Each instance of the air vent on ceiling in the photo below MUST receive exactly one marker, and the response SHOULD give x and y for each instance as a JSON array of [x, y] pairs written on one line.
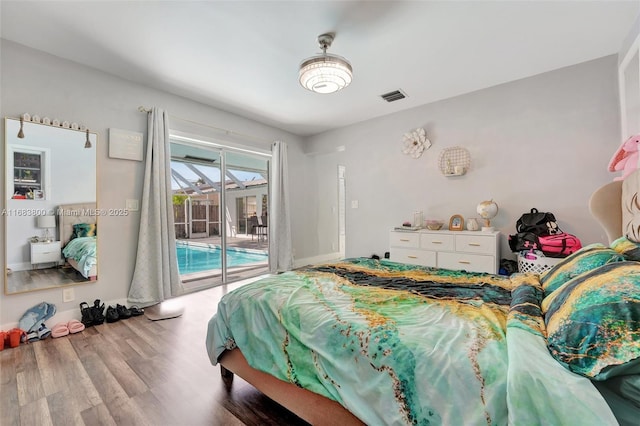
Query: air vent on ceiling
[[396, 95]]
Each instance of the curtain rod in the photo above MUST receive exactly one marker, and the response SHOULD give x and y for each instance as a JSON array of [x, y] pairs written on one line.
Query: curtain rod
[[219, 129]]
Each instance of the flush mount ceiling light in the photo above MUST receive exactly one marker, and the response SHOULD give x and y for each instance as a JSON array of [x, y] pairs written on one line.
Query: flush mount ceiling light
[[325, 73]]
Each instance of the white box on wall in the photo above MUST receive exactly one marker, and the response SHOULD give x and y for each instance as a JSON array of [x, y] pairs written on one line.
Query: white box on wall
[[125, 144]]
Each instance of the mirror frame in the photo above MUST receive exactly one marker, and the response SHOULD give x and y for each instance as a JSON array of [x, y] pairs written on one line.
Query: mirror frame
[[47, 200]]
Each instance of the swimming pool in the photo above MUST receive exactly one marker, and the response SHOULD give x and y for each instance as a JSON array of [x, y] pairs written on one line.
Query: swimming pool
[[197, 258]]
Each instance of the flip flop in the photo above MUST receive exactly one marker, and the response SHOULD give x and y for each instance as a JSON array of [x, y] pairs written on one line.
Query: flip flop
[[75, 326], [59, 330]]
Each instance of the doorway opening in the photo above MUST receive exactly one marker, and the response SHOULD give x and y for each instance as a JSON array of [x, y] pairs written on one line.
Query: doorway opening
[[215, 201]]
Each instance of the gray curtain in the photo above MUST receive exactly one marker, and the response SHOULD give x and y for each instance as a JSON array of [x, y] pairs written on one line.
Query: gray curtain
[[156, 275], [279, 218]]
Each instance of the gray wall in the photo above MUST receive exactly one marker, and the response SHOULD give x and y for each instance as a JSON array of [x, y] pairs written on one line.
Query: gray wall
[[541, 142], [36, 82], [544, 141]]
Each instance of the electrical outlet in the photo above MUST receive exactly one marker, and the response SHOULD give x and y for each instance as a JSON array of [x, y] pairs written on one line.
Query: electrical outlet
[[68, 295], [132, 205]]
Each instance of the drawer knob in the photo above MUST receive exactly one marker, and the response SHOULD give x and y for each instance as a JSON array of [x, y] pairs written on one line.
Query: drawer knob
[[464, 262], [404, 240], [436, 242], [474, 244], [412, 257]]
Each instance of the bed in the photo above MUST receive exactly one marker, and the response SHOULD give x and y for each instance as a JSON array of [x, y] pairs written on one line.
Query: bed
[[380, 343], [77, 227]]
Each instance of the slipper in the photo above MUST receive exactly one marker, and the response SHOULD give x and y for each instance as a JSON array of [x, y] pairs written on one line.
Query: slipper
[[59, 330], [75, 326]]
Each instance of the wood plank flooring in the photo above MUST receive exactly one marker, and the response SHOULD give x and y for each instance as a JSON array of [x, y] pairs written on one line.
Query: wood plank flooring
[[131, 372]]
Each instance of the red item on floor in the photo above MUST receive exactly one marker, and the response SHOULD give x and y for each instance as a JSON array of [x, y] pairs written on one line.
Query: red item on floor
[[14, 337]]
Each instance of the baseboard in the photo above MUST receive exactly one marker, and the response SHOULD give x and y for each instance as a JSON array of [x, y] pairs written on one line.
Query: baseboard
[[329, 257]]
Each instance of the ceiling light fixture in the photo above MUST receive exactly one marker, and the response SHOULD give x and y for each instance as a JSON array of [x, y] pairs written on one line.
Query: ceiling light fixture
[[325, 73]]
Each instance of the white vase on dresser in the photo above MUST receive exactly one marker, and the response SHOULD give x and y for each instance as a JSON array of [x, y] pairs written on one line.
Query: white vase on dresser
[[462, 250]]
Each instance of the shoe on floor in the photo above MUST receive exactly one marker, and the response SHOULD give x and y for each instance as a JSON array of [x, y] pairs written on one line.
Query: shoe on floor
[[42, 333], [112, 314], [123, 312], [136, 310], [87, 314]]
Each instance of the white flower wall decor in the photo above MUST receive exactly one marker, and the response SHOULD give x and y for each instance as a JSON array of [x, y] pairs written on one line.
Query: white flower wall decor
[[416, 142]]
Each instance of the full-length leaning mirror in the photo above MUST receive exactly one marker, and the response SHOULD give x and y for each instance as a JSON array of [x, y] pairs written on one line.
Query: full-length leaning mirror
[[49, 207]]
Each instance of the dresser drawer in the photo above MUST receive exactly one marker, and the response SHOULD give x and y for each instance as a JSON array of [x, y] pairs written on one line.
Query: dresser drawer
[[437, 242], [468, 262], [405, 239], [45, 252], [481, 244], [413, 256]]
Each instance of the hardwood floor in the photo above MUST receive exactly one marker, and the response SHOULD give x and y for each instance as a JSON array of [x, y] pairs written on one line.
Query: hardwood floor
[[131, 372]]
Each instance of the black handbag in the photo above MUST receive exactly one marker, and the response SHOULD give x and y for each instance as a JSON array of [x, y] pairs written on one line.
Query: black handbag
[[538, 223], [524, 241]]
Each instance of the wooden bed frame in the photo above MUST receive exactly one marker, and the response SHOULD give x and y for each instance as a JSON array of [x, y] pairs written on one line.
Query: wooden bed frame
[[72, 214], [311, 407], [616, 206]]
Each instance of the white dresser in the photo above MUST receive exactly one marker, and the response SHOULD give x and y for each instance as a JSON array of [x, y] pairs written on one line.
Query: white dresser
[[473, 251], [46, 252]]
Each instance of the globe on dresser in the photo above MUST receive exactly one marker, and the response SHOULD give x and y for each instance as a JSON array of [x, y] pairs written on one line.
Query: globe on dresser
[[487, 210]]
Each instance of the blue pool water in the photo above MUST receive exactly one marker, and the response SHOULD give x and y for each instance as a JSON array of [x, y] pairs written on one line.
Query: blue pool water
[[193, 258]]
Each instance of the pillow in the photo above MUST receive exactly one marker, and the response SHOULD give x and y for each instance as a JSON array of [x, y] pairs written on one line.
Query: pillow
[[593, 321], [629, 249], [84, 230], [587, 258], [627, 387]]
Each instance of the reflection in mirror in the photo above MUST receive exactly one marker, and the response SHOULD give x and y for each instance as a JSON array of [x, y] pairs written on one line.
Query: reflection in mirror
[[49, 207]]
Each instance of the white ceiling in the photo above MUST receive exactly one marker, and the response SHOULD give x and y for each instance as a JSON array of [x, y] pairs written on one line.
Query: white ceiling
[[243, 56]]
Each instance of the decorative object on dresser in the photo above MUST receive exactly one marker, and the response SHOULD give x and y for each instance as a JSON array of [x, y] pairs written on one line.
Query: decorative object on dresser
[[461, 250], [456, 223], [418, 219], [472, 224], [487, 210], [434, 224]]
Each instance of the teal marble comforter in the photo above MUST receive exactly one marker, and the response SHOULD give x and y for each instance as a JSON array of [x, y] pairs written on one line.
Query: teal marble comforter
[[83, 251], [397, 344]]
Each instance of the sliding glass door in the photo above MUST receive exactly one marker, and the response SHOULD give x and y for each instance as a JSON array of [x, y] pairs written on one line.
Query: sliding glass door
[[221, 228]]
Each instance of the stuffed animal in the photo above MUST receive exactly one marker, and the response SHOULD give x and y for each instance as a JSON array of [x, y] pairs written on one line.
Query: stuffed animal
[[626, 157]]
